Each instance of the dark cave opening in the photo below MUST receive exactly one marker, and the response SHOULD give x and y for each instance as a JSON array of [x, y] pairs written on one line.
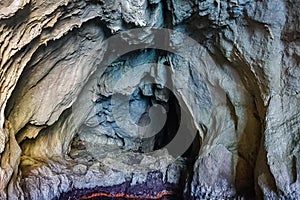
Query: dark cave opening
[[171, 125], [139, 106]]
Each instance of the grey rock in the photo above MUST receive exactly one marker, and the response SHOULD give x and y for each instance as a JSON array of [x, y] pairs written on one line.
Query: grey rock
[[70, 119], [80, 169], [147, 90]]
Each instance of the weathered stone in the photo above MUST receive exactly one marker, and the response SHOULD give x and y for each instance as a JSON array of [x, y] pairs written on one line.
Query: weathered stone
[[76, 118]]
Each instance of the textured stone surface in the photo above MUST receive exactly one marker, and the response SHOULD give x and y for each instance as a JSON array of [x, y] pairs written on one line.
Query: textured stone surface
[[69, 123]]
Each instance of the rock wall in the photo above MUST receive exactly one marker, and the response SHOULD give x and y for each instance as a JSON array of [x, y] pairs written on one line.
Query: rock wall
[[80, 81]]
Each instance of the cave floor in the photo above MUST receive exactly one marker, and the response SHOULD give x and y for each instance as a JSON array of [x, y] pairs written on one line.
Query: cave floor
[[105, 172]]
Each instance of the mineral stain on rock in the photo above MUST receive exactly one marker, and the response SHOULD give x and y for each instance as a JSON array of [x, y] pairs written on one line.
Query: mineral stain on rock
[[153, 188]]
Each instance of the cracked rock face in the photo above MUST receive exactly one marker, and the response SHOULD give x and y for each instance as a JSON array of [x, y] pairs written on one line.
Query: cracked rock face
[[149, 99]]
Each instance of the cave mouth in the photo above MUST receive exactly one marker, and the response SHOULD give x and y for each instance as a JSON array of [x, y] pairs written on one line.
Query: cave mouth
[[88, 141], [101, 159], [153, 186]]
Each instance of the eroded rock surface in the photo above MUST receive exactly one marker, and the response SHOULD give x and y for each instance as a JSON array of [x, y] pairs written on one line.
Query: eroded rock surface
[[185, 99]]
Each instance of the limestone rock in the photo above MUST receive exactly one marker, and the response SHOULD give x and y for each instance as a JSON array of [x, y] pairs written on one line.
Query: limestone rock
[[195, 99]]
